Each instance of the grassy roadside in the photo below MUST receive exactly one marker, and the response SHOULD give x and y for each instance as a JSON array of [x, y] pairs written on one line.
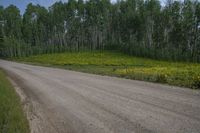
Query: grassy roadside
[[12, 118], [117, 64]]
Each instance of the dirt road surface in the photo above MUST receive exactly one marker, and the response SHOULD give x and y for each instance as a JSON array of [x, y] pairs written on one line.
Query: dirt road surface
[[62, 101]]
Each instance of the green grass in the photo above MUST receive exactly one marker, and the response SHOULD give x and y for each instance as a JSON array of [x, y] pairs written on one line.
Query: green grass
[[12, 118], [118, 64]]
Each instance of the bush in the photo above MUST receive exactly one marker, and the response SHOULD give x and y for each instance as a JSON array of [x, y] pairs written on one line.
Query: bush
[[196, 82], [161, 78]]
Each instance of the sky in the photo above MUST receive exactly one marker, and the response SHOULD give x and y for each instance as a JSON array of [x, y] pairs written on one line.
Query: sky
[[21, 4]]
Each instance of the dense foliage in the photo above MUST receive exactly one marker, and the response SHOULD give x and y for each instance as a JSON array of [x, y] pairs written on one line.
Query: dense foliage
[[136, 27]]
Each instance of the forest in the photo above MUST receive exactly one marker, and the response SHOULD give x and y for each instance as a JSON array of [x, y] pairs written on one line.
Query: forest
[[144, 28]]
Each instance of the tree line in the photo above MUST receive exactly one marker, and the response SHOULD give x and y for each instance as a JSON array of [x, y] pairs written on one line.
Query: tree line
[[142, 28]]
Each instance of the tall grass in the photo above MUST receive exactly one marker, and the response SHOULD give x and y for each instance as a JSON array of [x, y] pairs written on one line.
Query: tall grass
[[12, 118], [118, 64]]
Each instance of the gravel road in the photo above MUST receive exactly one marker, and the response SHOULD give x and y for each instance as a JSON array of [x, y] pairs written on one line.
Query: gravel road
[[63, 101]]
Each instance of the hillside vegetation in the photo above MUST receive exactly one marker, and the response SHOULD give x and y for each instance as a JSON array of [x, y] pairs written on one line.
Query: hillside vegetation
[[117, 64], [12, 118]]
